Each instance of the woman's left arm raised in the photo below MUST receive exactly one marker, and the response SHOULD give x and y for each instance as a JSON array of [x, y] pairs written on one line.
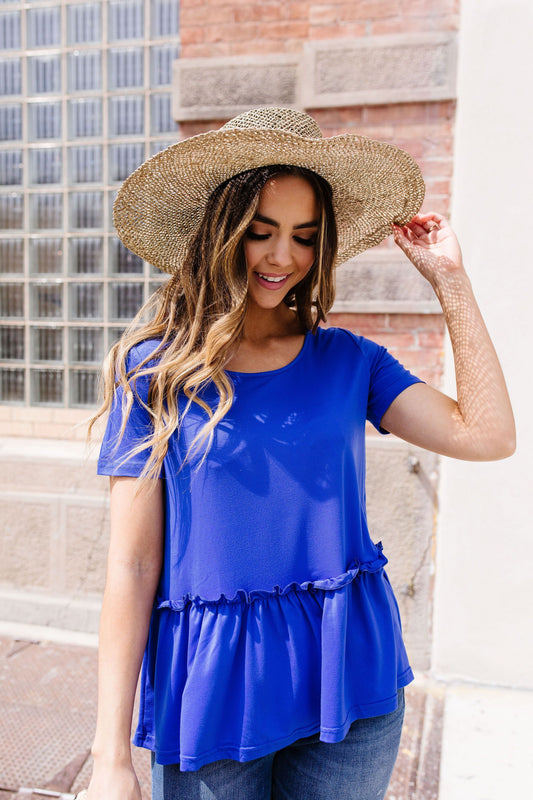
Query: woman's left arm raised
[[479, 425]]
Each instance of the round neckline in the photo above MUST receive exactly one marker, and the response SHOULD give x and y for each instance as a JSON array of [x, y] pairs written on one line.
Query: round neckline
[[292, 363]]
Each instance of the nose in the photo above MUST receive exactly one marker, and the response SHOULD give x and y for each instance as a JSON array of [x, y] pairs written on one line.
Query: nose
[[280, 254]]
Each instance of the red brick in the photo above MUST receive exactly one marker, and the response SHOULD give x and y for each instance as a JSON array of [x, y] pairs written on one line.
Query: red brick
[[444, 109], [194, 128], [192, 36], [258, 13], [320, 15], [186, 4], [438, 187], [431, 339], [284, 30], [340, 31], [369, 9], [437, 167], [229, 3], [193, 17], [400, 25], [259, 47], [245, 31], [217, 50], [297, 10]]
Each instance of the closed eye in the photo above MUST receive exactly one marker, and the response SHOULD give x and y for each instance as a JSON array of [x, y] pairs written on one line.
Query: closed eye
[[306, 242], [257, 237]]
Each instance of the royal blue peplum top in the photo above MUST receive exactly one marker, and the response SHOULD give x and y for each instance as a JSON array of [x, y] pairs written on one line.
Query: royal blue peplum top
[[274, 618]]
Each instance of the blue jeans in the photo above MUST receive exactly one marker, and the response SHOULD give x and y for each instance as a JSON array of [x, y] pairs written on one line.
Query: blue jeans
[[358, 768]]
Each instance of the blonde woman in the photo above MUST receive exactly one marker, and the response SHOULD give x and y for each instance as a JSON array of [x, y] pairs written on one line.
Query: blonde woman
[[240, 561]]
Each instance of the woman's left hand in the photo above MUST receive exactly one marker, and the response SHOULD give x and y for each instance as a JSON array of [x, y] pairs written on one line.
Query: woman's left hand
[[431, 245]]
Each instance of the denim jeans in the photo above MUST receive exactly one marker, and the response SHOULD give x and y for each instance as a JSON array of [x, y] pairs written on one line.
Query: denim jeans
[[358, 768]]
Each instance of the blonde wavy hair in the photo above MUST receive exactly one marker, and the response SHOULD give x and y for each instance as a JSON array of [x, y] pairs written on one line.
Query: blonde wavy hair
[[198, 315]]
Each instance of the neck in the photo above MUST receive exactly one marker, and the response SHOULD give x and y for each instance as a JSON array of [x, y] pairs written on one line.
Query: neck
[[261, 323]]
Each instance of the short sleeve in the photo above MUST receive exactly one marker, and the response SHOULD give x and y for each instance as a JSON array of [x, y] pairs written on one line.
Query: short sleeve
[[114, 458], [388, 378]]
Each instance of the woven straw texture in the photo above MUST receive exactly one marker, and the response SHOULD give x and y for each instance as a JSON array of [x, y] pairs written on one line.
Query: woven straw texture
[[160, 206]]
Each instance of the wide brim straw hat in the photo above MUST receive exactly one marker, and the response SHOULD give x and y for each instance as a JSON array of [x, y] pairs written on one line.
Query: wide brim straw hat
[[160, 206]]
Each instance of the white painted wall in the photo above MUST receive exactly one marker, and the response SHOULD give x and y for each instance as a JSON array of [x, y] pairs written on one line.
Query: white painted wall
[[484, 598]]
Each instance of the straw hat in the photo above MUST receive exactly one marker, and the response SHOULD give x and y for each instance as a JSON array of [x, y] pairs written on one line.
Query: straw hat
[[160, 206]]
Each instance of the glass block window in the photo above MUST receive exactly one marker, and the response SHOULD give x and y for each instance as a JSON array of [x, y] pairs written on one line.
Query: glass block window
[[10, 30], [124, 159], [11, 343], [46, 211], [10, 76], [84, 23], [165, 18], [44, 74], [125, 300], [46, 301], [11, 211], [84, 99], [47, 343], [46, 256], [11, 385], [86, 301], [44, 27], [161, 59], [162, 120], [86, 255], [85, 71], [86, 210], [47, 386], [45, 120], [12, 300], [10, 167], [87, 345], [10, 122], [123, 260], [126, 115], [46, 165], [12, 256], [126, 67], [86, 164], [83, 387], [126, 19], [85, 117]]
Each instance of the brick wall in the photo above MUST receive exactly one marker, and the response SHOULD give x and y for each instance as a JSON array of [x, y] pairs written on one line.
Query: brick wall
[[212, 28]]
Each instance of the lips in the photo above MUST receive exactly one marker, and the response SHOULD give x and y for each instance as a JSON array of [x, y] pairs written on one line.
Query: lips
[[271, 282]]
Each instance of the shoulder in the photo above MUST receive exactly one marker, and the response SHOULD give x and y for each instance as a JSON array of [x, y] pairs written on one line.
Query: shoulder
[[144, 354], [342, 342]]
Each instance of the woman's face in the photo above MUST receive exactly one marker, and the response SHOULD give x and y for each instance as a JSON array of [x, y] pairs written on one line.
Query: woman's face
[[279, 245]]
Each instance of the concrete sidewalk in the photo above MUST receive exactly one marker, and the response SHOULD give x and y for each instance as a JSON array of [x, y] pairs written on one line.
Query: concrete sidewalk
[[48, 709]]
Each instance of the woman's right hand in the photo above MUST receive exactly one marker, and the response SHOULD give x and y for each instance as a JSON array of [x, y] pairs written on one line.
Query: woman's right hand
[[112, 782]]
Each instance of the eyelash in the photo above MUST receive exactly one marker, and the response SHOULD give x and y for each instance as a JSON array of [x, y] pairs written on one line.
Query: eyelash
[[261, 237]]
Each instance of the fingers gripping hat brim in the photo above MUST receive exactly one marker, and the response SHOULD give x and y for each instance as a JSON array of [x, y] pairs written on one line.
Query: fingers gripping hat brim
[[160, 206]]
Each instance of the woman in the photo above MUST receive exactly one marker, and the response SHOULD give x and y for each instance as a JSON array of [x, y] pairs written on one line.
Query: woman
[[241, 563]]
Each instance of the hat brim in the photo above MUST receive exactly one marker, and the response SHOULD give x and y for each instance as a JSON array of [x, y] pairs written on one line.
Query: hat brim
[[159, 208]]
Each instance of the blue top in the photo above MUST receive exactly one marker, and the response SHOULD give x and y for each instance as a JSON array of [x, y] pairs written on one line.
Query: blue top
[[274, 617]]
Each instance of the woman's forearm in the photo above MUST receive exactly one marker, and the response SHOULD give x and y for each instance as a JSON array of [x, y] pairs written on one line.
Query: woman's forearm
[[134, 566], [479, 425], [125, 619], [482, 397]]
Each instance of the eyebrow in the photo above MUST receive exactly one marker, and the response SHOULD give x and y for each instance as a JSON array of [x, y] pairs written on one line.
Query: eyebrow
[[269, 221]]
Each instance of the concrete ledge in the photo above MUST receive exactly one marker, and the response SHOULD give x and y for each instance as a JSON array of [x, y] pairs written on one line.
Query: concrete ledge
[[220, 88], [50, 611], [379, 69], [380, 282], [374, 70]]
